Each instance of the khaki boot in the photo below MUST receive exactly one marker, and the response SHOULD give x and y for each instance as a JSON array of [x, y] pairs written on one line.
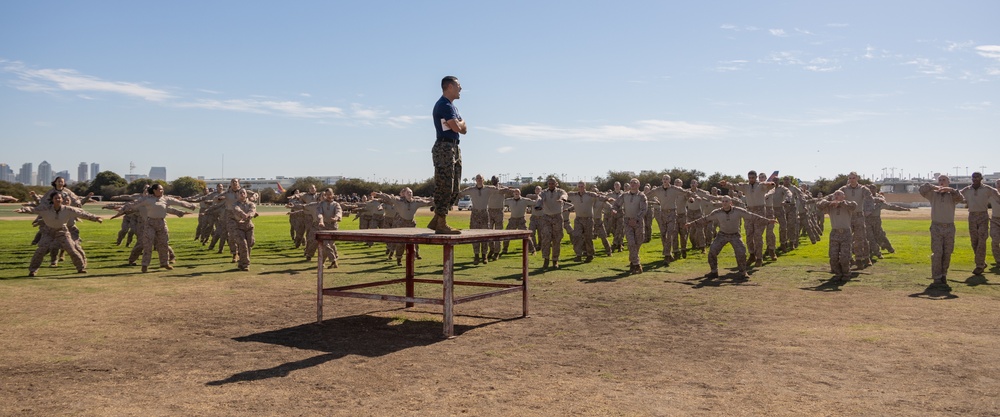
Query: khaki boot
[[443, 228], [434, 222]]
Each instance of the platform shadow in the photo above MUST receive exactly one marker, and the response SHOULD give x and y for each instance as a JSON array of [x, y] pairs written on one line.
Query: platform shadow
[[362, 335]]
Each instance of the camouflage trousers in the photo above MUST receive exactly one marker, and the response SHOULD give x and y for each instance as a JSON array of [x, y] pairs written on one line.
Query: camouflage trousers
[[140, 243], [56, 240], [791, 227], [300, 222], [820, 221], [720, 241], [770, 239], [617, 229], [874, 245], [447, 175], [648, 231], [782, 218], [668, 230], [840, 251], [399, 249], [881, 239], [311, 244], [807, 225], [155, 236], [533, 224], [517, 223], [329, 249], [942, 245], [995, 237], [634, 234], [859, 247], [979, 230], [241, 236], [574, 234], [696, 234], [550, 232], [601, 233], [680, 243], [755, 233], [584, 227], [496, 223], [479, 219]]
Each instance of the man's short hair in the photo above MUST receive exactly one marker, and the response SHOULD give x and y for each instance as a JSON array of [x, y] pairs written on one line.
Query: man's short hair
[[449, 80], [752, 172]]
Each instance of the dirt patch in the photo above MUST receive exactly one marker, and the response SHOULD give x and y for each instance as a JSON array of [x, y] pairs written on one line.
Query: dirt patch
[[660, 343]]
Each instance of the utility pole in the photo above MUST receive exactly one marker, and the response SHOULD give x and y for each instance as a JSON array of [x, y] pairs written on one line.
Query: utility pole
[[956, 170]]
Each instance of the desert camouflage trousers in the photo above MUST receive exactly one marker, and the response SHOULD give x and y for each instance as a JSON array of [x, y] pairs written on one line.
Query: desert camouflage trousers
[[241, 236], [720, 241], [667, 221], [496, 223], [942, 245], [635, 235], [55, 240], [995, 237], [155, 236], [840, 251], [584, 228], [550, 231], [479, 219], [517, 223], [979, 230], [859, 247]]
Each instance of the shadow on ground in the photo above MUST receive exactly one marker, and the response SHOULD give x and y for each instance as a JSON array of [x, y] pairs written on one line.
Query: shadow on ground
[[363, 335]]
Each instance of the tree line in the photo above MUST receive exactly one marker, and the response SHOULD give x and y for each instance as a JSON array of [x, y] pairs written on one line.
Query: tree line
[[108, 184]]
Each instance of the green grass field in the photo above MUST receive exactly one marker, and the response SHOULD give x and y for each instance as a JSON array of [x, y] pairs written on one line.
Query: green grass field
[[274, 254]]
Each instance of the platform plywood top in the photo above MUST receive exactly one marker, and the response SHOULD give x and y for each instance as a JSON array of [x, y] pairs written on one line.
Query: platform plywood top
[[421, 235]]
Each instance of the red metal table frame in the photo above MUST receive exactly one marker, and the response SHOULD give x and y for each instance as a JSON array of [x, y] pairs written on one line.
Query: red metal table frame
[[421, 236]]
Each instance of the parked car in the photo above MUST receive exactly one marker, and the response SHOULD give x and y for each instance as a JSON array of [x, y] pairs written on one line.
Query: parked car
[[465, 203]]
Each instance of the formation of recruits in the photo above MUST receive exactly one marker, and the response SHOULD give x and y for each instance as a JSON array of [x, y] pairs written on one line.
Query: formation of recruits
[[621, 218]]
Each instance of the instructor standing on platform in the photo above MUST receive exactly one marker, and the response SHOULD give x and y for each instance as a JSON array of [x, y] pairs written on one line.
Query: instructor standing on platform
[[448, 125]]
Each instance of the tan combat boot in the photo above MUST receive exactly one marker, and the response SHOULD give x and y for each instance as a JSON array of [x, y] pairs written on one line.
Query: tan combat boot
[[434, 222], [443, 228]]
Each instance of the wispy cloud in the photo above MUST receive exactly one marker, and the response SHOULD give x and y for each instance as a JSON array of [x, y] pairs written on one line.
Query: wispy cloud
[[732, 65], [989, 51], [983, 105], [56, 80], [777, 32], [289, 108], [838, 25], [505, 149], [926, 66], [643, 131], [88, 87], [958, 46]]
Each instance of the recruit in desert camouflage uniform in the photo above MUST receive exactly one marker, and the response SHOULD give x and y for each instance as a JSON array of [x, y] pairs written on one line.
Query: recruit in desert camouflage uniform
[[943, 199], [840, 211]]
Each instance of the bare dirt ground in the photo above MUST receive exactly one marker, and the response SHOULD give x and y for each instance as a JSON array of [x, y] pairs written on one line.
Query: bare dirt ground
[[658, 344]]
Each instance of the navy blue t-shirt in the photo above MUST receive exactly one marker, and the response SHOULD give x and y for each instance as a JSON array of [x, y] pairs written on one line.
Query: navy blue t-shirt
[[445, 110]]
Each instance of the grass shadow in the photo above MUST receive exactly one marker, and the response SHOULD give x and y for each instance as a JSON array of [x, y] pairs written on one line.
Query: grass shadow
[[622, 273]]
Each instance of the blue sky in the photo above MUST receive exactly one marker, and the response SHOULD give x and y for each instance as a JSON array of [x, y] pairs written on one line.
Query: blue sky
[[575, 88]]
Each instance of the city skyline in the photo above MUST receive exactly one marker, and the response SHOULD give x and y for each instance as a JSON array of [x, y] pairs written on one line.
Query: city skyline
[[574, 88]]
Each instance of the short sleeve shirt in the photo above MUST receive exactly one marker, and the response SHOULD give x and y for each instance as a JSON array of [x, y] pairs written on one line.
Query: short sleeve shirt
[[445, 110]]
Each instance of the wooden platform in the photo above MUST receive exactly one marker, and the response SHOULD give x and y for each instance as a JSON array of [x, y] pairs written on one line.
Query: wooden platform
[[422, 236]]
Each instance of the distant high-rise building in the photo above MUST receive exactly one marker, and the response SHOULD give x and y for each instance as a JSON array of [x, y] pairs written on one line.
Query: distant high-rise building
[[6, 174], [133, 177], [81, 172], [44, 173], [25, 174], [65, 175], [158, 173], [95, 168]]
